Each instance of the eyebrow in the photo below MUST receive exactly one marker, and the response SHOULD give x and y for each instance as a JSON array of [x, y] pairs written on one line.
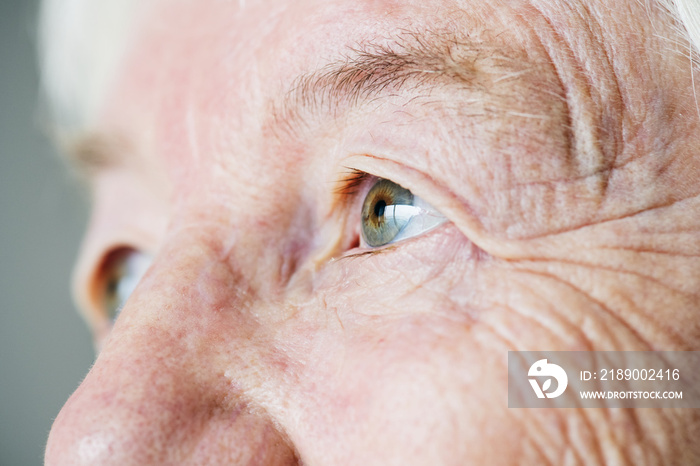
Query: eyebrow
[[94, 152], [409, 61], [412, 60]]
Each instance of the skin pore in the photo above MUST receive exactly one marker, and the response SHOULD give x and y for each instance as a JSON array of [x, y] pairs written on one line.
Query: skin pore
[[558, 140]]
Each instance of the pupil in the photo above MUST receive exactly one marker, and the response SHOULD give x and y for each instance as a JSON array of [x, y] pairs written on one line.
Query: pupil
[[379, 209]]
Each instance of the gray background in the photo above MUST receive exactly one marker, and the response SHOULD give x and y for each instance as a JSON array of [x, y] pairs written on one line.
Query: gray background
[[44, 348]]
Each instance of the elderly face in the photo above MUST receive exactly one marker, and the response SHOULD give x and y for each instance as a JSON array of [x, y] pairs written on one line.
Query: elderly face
[[542, 156]]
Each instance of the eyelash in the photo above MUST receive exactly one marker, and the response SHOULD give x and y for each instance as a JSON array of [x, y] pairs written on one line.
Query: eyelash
[[351, 183], [348, 194]]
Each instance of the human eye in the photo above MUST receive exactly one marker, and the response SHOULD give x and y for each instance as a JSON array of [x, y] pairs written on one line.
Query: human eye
[[121, 272], [392, 213]]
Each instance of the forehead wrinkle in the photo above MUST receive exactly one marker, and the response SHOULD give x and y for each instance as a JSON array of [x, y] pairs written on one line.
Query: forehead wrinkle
[[411, 61]]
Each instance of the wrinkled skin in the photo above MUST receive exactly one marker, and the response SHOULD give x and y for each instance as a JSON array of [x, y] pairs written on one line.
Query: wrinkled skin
[[563, 151]]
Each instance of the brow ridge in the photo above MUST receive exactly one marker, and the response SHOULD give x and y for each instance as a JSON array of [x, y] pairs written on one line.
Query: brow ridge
[[412, 60]]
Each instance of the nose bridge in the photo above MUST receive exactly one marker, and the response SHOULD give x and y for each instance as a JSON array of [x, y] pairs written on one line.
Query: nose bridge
[[192, 286], [191, 294], [160, 391]]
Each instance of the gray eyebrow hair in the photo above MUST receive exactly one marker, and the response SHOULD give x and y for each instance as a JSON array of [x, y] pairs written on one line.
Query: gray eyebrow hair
[[409, 61], [93, 152]]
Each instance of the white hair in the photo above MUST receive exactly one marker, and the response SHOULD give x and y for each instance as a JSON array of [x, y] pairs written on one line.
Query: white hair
[[81, 42], [687, 12]]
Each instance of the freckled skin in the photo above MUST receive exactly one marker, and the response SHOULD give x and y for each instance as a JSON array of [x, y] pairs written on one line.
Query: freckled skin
[[569, 177]]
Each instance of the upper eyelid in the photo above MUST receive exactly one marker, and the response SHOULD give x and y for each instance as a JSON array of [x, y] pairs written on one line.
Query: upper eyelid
[[420, 183], [354, 182]]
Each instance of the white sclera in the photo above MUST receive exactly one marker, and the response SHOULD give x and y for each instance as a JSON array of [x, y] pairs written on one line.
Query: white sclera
[[419, 218]]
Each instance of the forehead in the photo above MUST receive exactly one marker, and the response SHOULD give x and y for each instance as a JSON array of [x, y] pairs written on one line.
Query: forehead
[[203, 80], [213, 64], [253, 45], [250, 40], [198, 72]]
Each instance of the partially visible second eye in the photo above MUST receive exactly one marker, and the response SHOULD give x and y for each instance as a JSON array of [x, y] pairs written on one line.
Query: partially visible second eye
[[123, 271], [392, 213]]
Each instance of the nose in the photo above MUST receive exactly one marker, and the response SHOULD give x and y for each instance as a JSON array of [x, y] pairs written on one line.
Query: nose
[[168, 387]]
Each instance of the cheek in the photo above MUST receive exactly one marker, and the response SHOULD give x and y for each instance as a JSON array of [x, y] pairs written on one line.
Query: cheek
[[387, 361], [422, 387], [405, 353], [415, 387]]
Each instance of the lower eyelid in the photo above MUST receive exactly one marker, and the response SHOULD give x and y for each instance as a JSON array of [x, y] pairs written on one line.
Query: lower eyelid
[[361, 251], [364, 251]]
